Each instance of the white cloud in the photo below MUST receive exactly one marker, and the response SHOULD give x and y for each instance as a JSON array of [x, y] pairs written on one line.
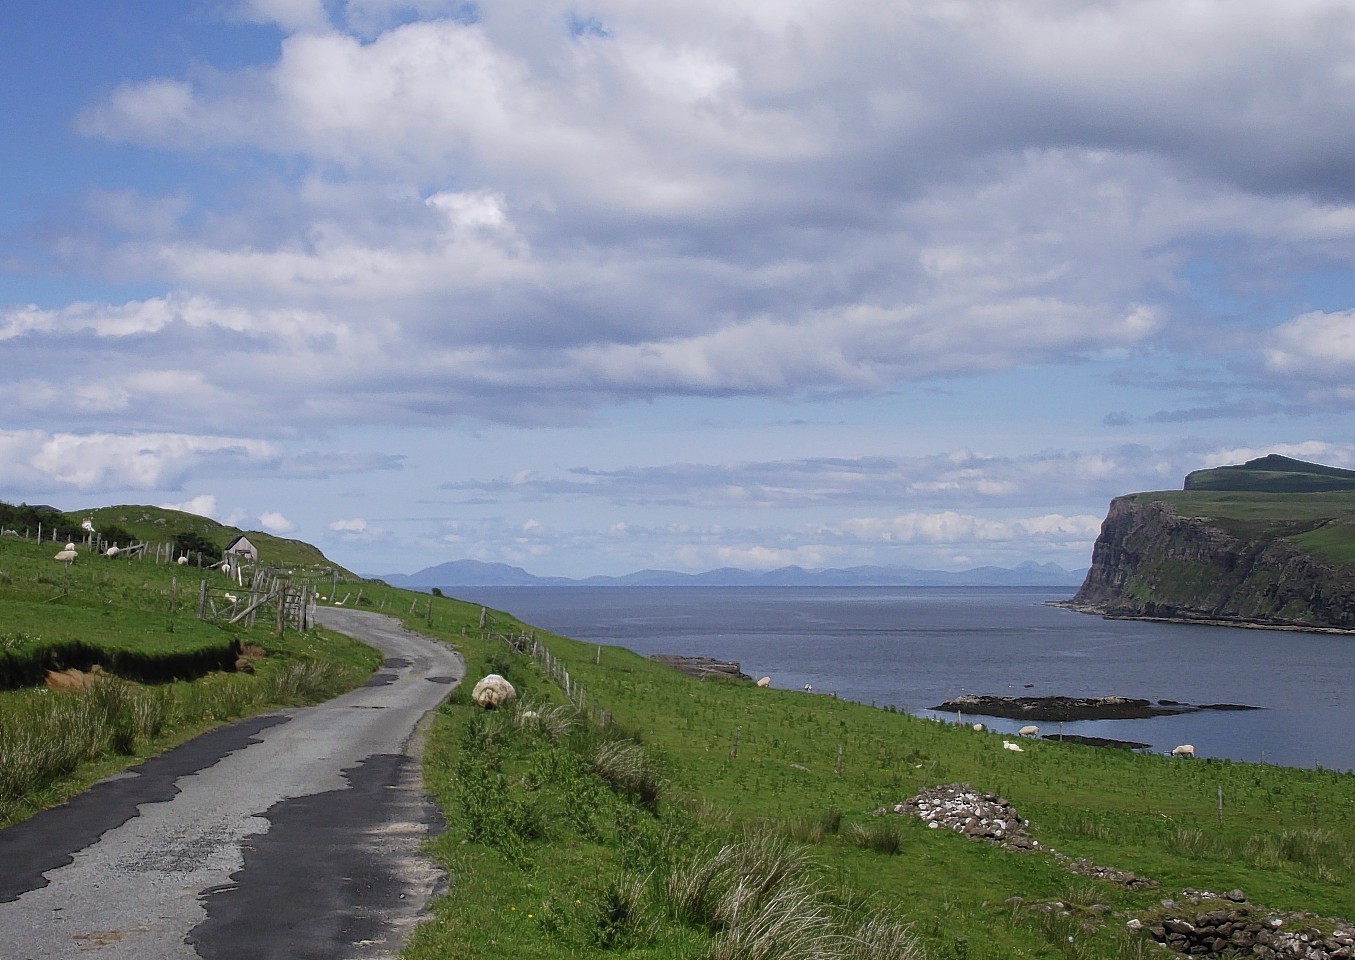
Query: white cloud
[[290, 15], [357, 530], [97, 462], [203, 505], [1318, 345], [715, 200], [957, 529], [275, 522]]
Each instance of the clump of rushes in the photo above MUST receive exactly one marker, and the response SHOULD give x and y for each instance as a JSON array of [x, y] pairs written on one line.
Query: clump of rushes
[[628, 769], [883, 835], [814, 829], [44, 736], [553, 721], [304, 682], [761, 901], [622, 917], [708, 889]]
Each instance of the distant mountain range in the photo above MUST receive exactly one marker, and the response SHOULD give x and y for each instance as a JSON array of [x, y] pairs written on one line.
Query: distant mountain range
[[473, 573]]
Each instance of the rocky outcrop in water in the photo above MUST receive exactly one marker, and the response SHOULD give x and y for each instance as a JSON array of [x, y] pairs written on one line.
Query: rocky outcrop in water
[[1075, 708], [703, 668], [1151, 563]]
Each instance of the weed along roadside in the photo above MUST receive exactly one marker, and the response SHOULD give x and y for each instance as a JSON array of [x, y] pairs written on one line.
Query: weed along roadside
[[618, 807]]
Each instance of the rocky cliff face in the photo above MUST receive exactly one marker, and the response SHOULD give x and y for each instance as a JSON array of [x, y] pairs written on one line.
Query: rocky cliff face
[[1150, 562]]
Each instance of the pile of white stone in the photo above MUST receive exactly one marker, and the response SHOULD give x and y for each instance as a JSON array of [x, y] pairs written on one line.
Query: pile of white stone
[[980, 816]]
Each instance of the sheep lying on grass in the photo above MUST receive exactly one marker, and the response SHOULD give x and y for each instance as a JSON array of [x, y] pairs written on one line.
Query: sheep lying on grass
[[492, 692]]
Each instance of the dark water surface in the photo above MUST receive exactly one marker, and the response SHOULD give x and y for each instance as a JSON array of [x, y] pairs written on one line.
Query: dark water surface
[[914, 647]]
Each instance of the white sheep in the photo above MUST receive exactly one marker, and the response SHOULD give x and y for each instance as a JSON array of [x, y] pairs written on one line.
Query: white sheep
[[1184, 750], [977, 728], [67, 555], [492, 692], [808, 688], [765, 682], [182, 561], [1015, 747], [112, 551], [1029, 730]]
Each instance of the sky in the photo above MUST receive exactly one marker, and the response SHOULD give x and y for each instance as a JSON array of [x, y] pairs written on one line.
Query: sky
[[600, 287]]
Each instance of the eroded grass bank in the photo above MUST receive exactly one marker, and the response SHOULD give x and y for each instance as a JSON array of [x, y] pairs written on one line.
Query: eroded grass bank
[[552, 856]]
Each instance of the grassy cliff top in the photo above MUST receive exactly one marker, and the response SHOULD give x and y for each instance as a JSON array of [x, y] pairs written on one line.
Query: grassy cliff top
[[1276, 498]]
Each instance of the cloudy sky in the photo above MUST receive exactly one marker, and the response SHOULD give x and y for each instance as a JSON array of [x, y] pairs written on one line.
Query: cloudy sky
[[595, 287]]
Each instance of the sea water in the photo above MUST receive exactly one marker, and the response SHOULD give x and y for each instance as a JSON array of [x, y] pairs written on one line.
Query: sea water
[[914, 647]]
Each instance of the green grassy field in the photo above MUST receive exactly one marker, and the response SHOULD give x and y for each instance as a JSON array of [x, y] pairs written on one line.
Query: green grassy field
[[556, 860]]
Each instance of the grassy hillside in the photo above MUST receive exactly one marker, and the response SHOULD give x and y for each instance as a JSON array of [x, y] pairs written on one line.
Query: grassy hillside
[[1273, 474], [157, 524], [565, 840], [165, 673]]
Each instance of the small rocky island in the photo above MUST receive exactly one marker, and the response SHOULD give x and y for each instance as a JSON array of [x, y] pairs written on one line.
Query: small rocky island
[[1076, 708]]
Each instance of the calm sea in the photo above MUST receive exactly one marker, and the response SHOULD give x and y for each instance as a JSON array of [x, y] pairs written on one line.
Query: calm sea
[[914, 647]]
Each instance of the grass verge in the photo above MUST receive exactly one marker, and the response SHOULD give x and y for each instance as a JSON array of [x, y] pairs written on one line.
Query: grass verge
[[555, 851]]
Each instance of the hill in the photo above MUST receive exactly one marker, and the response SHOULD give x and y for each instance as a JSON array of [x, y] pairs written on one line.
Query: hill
[[1272, 474], [472, 573], [157, 524], [1267, 543]]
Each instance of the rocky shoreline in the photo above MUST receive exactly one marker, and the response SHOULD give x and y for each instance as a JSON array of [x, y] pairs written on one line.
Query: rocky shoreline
[[1058, 708], [703, 668], [1108, 612]]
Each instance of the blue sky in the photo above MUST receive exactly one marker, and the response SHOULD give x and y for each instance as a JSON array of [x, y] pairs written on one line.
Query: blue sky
[[596, 288]]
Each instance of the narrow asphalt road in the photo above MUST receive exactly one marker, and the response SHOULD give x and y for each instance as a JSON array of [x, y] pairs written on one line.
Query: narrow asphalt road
[[291, 835]]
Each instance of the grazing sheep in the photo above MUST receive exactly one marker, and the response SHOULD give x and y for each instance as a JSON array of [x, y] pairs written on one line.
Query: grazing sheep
[[765, 682], [978, 728], [67, 555], [1008, 745], [231, 597], [112, 551], [1029, 730], [808, 688], [1184, 750], [492, 692], [182, 561]]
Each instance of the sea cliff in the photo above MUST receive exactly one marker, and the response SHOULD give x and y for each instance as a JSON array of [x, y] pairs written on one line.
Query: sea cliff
[[1152, 562]]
